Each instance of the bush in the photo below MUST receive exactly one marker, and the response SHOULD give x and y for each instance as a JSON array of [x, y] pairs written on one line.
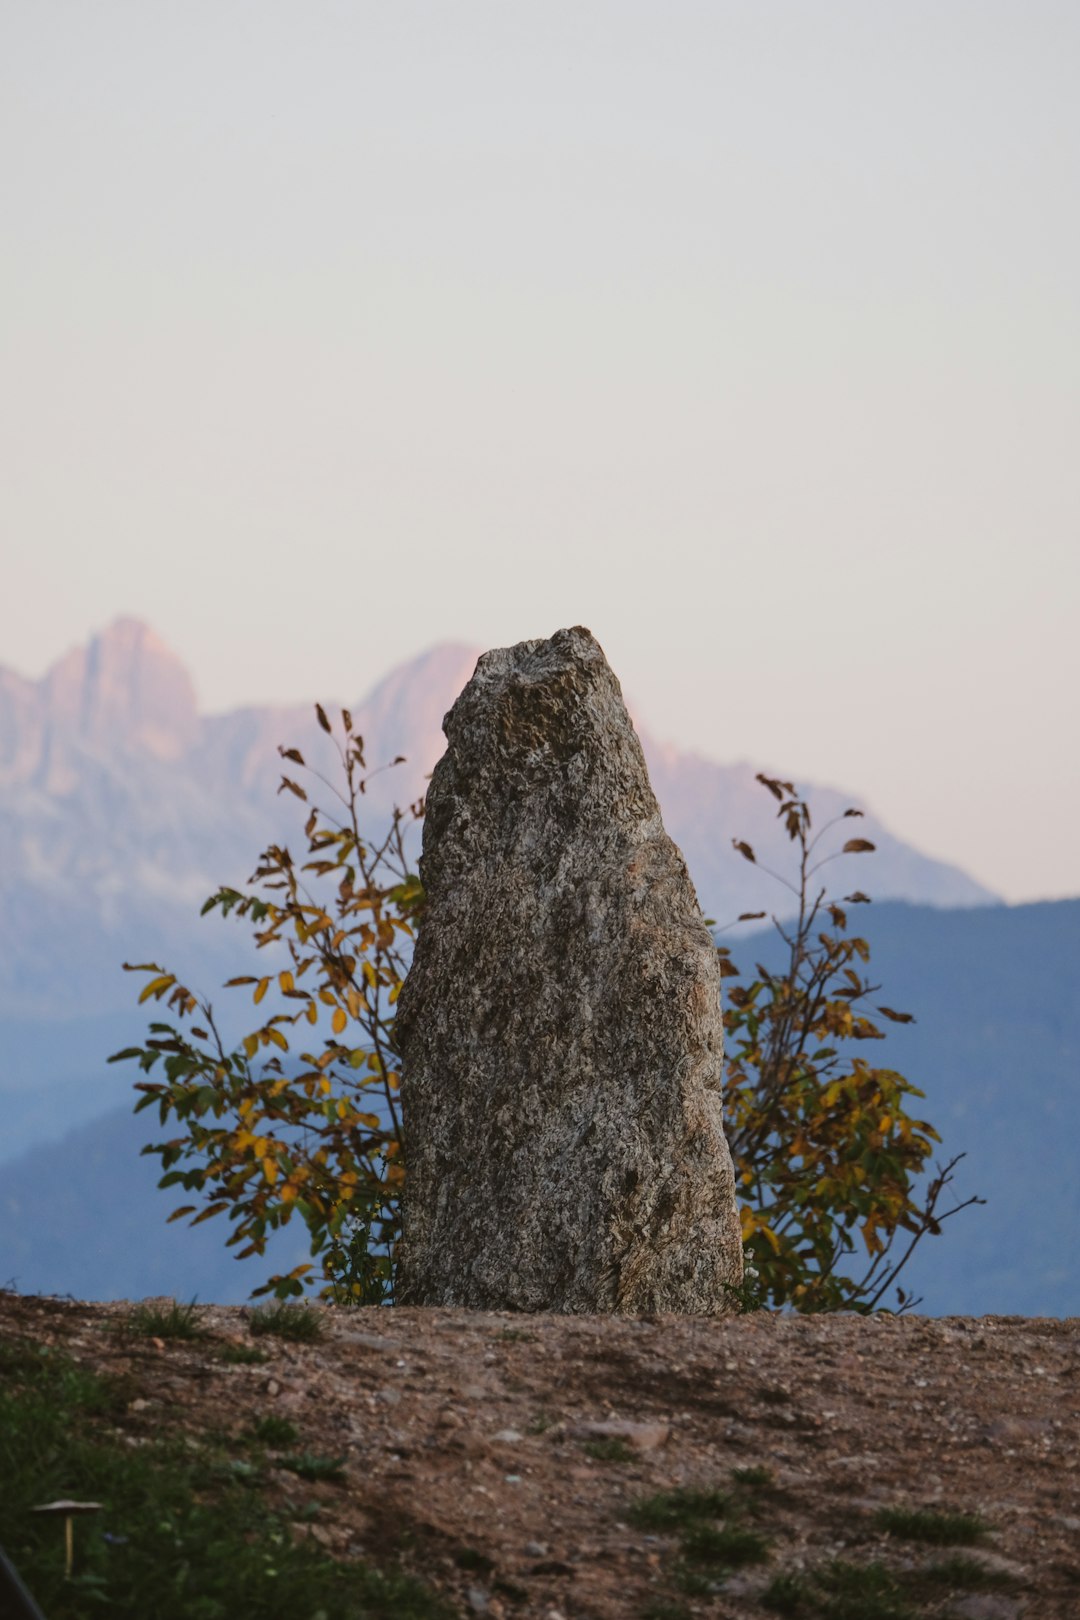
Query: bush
[[823, 1143], [322, 1139]]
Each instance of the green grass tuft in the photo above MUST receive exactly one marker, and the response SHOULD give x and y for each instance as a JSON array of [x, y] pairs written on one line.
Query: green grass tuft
[[966, 1575], [300, 1323], [470, 1558], [611, 1451], [168, 1321], [730, 1547], [787, 1594], [308, 1465], [181, 1536], [758, 1479], [929, 1525], [859, 1592], [274, 1431], [839, 1591], [243, 1355], [673, 1510]]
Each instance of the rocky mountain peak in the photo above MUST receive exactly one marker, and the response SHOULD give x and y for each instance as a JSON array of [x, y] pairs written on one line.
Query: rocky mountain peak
[[126, 688], [124, 692]]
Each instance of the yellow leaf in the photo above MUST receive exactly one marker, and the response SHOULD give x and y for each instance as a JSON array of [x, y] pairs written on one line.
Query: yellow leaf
[[312, 1011], [339, 1021], [749, 1221], [771, 1235], [325, 1085], [278, 1039], [260, 990], [289, 1193], [286, 981], [157, 986], [269, 1168], [251, 1045]]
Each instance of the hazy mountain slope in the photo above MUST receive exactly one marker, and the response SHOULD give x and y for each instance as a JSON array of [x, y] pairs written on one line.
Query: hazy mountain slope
[[83, 1215], [995, 1049]]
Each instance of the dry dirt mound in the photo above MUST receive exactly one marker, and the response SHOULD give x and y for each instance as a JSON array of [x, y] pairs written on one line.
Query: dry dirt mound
[[506, 1458]]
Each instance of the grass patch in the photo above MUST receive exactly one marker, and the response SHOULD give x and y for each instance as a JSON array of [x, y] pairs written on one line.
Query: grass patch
[[308, 1465], [787, 1594], [469, 1558], [300, 1323], [839, 1591], [755, 1479], [273, 1431], [243, 1355], [964, 1575], [928, 1525], [168, 1321], [730, 1547], [517, 1336], [609, 1451], [675, 1510], [179, 1536], [662, 1610], [693, 1582], [540, 1423]]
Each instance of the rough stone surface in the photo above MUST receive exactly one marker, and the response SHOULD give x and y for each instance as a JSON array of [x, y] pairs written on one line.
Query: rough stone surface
[[560, 1028]]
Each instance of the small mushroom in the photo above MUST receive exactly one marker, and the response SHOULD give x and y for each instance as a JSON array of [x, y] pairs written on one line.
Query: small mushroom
[[68, 1510]]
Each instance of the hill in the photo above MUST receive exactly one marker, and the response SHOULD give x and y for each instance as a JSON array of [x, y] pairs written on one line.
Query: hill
[[539, 1466]]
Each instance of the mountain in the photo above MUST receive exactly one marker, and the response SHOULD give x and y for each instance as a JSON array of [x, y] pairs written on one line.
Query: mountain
[[83, 1215], [995, 1049], [121, 808]]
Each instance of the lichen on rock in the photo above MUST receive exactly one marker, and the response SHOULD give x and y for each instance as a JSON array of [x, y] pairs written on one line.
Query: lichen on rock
[[560, 1028]]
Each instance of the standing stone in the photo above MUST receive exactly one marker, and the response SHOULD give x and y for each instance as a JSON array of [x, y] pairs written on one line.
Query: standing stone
[[560, 1027]]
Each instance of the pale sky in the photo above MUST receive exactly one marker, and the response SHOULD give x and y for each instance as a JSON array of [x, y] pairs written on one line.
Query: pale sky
[[745, 334]]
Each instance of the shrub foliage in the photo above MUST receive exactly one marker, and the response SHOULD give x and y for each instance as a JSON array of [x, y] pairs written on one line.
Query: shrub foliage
[[279, 1125], [833, 1168]]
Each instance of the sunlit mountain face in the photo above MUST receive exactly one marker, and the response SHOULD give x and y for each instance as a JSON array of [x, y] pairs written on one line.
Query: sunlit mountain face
[[121, 808]]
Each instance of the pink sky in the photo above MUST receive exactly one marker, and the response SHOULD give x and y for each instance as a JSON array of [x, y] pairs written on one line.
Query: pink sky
[[747, 336]]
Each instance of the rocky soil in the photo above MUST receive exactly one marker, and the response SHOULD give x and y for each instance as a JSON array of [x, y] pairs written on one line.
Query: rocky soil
[[502, 1457]]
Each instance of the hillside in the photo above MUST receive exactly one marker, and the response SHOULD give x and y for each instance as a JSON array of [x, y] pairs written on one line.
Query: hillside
[[994, 1047], [575, 1468]]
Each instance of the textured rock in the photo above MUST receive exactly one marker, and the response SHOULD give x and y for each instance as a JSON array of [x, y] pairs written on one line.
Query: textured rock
[[560, 1027]]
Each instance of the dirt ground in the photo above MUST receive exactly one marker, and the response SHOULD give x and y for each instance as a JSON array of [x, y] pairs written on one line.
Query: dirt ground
[[499, 1457]]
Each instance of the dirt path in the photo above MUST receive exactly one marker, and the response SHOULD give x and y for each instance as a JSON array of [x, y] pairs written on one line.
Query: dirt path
[[501, 1457]]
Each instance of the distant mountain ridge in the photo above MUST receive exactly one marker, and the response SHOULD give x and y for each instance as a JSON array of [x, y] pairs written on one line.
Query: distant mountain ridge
[[121, 808]]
